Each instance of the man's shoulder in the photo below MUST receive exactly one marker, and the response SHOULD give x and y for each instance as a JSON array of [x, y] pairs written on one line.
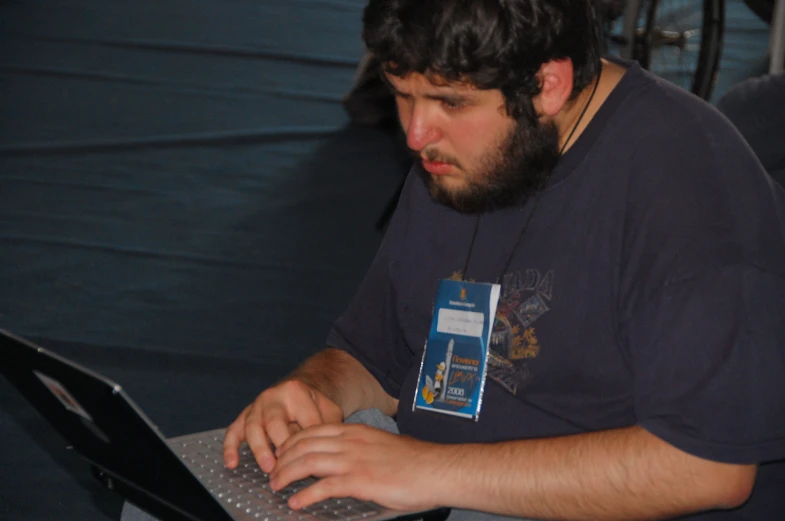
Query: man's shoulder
[[661, 127], [643, 104]]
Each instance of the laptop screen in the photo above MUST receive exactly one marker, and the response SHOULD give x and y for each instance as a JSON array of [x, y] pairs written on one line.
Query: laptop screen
[[101, 423]]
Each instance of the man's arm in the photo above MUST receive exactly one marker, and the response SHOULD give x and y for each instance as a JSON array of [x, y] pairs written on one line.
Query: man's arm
[[620, 474], [326, 388], [625, 474]]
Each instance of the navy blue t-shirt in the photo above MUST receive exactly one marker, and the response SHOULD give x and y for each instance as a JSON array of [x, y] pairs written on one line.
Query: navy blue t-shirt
[[648, 289]]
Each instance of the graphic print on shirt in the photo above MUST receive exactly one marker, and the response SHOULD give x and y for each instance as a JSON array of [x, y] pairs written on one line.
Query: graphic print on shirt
[[514, 343]]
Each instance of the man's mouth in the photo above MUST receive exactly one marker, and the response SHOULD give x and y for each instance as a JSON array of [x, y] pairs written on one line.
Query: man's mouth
[[437, 167]]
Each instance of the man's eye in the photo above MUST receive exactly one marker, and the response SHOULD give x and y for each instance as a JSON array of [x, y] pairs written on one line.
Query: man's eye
[[452, 104]]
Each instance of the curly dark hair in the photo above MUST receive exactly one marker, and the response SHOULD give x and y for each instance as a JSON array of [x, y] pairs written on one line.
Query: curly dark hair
[[492, 44]]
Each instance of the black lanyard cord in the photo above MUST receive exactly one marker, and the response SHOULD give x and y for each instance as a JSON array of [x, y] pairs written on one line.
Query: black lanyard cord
[[536, 199]]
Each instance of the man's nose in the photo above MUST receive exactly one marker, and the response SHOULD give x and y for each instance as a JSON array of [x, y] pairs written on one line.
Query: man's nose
[[422, 129]]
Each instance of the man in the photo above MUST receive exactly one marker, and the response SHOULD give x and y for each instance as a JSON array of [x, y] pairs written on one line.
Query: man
[[642, 262], [638, 352]]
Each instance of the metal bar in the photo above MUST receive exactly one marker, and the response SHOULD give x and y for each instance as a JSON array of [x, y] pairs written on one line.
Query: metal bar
[[777, 41]]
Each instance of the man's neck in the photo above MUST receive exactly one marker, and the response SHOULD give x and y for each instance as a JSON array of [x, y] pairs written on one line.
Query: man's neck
[[570, 118]]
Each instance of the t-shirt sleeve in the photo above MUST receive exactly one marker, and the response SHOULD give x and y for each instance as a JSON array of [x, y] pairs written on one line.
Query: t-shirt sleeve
[[702, 302], [369, 328], [709, 364]]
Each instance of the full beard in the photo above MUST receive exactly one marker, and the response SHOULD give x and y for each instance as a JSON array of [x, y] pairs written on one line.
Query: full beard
[[508, 175]]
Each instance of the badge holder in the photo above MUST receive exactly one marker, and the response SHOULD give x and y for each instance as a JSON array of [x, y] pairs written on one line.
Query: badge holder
[[454, 365]]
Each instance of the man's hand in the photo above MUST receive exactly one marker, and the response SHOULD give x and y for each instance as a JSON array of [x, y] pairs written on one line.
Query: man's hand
[[360, 462], [273, 417]]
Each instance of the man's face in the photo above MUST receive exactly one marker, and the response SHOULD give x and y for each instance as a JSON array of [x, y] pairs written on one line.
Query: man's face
[[475, 157]]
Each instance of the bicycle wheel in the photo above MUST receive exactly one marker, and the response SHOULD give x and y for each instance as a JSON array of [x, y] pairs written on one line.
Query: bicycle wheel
[[682, 42], [632, 28]]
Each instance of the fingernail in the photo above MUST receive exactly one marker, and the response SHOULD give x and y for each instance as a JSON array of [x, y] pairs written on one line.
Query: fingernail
[[268, 462]]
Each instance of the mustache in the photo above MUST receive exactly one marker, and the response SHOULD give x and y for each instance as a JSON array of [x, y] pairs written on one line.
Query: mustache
[[432, 155]]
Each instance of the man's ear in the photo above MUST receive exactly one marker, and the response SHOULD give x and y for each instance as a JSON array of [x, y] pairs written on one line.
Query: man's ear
[[556, 78]]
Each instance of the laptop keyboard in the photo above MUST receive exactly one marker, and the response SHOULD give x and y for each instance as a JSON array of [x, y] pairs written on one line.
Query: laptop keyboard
[[247, 488]]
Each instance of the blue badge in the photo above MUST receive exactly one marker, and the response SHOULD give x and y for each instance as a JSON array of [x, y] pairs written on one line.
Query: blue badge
[[454, 364]]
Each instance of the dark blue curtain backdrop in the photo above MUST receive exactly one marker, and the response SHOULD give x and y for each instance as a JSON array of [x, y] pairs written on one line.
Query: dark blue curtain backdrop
[[184, 206]]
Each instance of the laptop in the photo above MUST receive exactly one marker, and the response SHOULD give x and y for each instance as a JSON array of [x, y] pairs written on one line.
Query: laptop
[[177, 479]]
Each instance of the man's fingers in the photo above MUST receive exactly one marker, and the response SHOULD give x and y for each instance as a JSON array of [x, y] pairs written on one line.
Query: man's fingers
[[302, 403], [278, 430], [273, 418], [258, 441], [299, 408], [328, 410], [305, 453], [326, 488], [317, 464], [308, 415], [328, 430], [235, 435]]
